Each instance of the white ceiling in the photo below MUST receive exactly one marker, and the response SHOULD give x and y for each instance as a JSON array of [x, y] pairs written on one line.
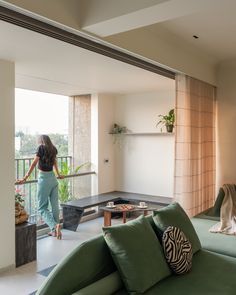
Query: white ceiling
[[49, 65], [213, 21], [216, 29]]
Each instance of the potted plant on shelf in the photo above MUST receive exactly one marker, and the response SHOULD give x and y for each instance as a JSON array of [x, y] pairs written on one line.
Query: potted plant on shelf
[[117, 129], [167, 120]]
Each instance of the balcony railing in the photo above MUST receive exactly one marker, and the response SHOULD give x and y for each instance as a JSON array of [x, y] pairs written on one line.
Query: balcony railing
[[29, 189], [22, 166]]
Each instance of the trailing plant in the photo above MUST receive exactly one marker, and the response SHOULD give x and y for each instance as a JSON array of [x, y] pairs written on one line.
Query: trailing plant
[[117, 129]]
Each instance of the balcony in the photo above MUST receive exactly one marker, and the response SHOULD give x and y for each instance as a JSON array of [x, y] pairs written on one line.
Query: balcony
[[68, 187]]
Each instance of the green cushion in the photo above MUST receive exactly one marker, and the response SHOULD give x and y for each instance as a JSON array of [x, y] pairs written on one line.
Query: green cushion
[[154, 227], [207, 215], [137, 254], [211, 274], [174, 214], [215, 210], [106, 286], [220, 243]]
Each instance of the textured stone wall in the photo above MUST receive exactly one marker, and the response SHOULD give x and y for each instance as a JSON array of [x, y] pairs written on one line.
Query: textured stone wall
[[80, 141]]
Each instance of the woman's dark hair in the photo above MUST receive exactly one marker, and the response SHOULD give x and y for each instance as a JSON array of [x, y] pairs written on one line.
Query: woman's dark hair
[[50, 151]]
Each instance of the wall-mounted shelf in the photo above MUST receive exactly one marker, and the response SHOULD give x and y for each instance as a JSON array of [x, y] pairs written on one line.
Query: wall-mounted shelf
[[143, 133]]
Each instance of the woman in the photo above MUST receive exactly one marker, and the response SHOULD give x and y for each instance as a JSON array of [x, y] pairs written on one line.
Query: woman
[[47, 190]]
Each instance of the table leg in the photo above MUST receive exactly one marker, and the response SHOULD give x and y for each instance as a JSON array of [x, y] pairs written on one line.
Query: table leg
[[107, 218], [145, 212], [124, 216]]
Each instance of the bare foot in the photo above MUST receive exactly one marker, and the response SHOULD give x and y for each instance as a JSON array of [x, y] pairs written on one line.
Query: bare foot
[[52, 233], [58, 231]]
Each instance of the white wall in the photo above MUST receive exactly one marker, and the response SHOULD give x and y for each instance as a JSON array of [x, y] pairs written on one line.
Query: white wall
[[142, 163], [226, 123], [102, 119], [7, 212], [94, 142], [106, 148], [145, 163]]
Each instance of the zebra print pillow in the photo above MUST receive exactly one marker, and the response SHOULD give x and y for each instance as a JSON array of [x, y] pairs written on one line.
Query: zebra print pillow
[[177, 249]]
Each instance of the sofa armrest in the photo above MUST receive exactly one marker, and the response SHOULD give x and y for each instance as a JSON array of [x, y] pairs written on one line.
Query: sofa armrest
[[86, 264]]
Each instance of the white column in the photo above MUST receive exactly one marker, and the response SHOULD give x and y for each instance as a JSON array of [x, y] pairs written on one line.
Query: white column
[[7, 201]]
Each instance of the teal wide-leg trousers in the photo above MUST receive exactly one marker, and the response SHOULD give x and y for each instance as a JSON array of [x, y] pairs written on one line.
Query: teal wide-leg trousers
[[47, 194]]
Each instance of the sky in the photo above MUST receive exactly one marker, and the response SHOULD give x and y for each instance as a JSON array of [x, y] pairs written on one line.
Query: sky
[[41, 113]]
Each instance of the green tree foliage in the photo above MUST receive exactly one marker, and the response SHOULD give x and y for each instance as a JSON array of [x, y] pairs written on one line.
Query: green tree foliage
[[29, 144], [61, 143]]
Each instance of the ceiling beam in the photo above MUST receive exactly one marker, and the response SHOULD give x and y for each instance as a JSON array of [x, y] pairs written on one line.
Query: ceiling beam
[[52, 31], [147, 16]]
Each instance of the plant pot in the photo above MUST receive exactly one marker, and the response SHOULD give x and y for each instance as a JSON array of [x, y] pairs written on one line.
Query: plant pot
[[169, 128]]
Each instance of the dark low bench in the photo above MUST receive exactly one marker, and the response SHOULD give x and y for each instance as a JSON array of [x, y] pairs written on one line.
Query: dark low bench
[[74, 210]]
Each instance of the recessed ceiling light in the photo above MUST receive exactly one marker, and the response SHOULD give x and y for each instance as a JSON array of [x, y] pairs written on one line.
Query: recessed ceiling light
[[195, 37]]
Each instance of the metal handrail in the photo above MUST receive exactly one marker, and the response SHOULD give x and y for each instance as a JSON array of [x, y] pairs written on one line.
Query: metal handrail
[[23, 164], [65, 176], [29, 188], [31, 158]]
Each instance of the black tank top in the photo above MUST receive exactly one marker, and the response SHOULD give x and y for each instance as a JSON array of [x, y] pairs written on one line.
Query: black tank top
[[42, 164]]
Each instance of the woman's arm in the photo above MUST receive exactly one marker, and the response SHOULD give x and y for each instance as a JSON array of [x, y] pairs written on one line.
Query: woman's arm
[[57, 170], [31, 168]]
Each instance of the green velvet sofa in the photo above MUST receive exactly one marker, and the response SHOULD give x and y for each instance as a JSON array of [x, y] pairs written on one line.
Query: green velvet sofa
[[89, 270], [216, 242]]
